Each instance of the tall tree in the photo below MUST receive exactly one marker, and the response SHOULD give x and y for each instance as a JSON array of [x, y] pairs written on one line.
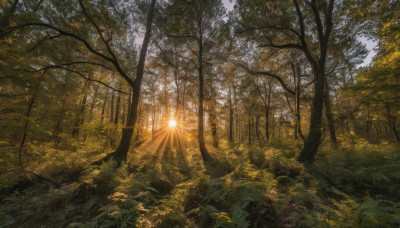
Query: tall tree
[[198, 22], [280, 31]]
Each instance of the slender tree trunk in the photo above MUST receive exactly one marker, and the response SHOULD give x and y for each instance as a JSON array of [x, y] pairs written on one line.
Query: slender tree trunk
[[183, 105], [297, 101], [28, 113], [80, 116], [139, 122], [112, 107], [153, 117], [117, 109], [213, 118], [213, 125], [122, 151], [203, 150], [94, 99], [123, 116], [237, 130], [329, 115], [83, 107], [249, 125], [256, 127], [104, 106], [177, 105], [268, 95], [230, 115]]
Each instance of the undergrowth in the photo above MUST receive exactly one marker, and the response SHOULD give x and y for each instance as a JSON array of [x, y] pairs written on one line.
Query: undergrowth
[[245, 186]]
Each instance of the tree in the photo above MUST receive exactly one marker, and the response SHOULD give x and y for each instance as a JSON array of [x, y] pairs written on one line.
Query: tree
[[198, 22], [108, 54], [279, 30]]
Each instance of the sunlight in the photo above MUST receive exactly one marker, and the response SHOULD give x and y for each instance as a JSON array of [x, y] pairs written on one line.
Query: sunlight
[[172, 123]]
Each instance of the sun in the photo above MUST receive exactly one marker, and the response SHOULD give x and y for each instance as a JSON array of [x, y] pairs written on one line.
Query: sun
[[172, 123]]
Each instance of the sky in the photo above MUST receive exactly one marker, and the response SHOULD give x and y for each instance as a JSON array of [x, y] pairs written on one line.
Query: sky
[[371, 45]]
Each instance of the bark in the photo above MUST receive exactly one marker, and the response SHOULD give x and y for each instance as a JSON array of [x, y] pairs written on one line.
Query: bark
[[139, 122], [324, 28], [213, 119], [203, 150], [94, 99], [329, 115], [104, 107], [123, 112], [267, 108], [117, 109], [256, 127], [153, 117], [80, 116], [183, 105], [28, 113], [313, 139], [297, 101], [249, 125], [112, 107], [177, 108], [83, 107], [122, 151], [230, 115], [237, 130]]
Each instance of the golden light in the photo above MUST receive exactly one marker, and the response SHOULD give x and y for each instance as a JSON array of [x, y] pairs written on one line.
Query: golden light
[[172, 123]]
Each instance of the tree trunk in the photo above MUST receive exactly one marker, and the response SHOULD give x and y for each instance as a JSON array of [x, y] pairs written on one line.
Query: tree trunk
[[323, 30], [297, 101], [329, 115], [230, 115], [203, 150], [177, 107], [117, 109], [267, 110], [392, 123], [112, 107], [123, 112], [80, 116], [104, 107], [213, 119], [257, 123], [153, 117], [28, 113], [139, 122], [122, 151], [94, 99], [313, 139], [249, 124]]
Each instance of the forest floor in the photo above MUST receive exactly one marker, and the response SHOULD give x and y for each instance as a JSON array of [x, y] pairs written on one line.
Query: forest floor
[[259, 185]]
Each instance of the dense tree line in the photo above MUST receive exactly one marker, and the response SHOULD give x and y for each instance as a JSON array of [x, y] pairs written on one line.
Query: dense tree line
[[265, 69], [184, 112]]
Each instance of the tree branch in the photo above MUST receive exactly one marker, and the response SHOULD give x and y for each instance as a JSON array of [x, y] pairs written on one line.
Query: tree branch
[[86, 43], [283, 46], [266, 74], [78, 73], [106, 43]]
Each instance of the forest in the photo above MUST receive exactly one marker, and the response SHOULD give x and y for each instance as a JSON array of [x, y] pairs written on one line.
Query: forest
[[200, 113]]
